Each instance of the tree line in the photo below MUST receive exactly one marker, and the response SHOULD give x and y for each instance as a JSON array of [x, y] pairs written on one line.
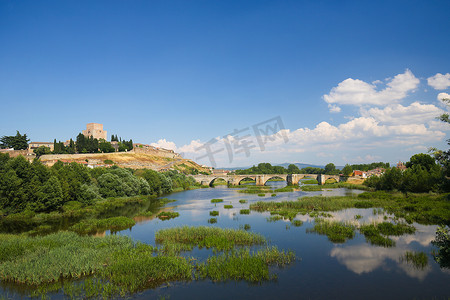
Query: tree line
[[85, 145], [422, 175], [33, 186]]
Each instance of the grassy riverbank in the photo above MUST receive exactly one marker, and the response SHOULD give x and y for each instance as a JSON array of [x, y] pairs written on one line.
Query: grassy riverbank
[[118, 266], [420, 208]]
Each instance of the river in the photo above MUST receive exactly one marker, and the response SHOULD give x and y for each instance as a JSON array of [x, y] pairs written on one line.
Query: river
[[323, 270]]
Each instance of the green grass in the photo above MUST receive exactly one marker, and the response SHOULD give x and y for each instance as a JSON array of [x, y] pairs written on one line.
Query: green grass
[[116, 267], [39, 260], [244, 265], [244, 211], [209, 237], [136, 269], [216, 200], [377, 234], [274, 218], [346, 185], [303, 205], [261, 195], [243, 201], [297, 223], [167, 215], [309, 181], [212, 220], [214, 213], [418, 259], [273, 195], [228, 206], [93, 225], [284, 189], [311, 188], [245, 227], [420, 208], [337, 232]]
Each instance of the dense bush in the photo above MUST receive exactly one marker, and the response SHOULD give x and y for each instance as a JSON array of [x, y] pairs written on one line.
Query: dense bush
[[36, 187], [417, 179]]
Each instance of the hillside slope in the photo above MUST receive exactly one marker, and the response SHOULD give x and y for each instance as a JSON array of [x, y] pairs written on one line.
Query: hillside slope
[[126, 160]]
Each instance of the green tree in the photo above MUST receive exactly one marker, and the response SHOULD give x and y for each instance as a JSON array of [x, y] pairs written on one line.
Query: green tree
[[18, 142], [71, 149], [105, 147], [423, 160], [12, 193], [347, 170], [50, 196], [330, 169], [42, 150], [81, 143], [293, 169]]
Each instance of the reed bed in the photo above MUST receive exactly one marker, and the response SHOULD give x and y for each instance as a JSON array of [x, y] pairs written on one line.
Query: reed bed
[[209, 237], [337, 232], [39, 260], [284, 189], [377, 234], [418, 260], [244, 265], [167, 215], [114, 224]]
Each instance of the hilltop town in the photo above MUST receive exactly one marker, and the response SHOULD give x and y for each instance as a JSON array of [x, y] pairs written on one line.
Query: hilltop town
[[135, 156]]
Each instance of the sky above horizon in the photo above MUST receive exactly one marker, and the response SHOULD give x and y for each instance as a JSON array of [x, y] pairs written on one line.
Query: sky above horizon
[[232, 83]]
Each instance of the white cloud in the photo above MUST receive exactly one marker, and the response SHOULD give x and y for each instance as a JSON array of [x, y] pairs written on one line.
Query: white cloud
[[399, 114], [363, 134], [334, 108], [358, 92], [162, 143], [439, 81]]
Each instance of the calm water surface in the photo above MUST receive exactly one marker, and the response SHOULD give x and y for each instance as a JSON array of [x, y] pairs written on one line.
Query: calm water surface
[[352, 270]]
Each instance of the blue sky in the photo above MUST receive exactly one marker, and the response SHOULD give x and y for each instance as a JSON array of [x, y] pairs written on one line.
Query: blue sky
[[352, 81]]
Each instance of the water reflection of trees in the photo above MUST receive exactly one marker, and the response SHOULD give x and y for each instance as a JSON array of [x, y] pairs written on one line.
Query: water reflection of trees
[[442, 242]]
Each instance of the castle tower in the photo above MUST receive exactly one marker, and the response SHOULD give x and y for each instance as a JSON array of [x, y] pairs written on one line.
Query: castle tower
[[95, 130]]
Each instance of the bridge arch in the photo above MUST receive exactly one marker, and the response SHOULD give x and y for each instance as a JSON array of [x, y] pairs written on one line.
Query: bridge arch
[[211, 181], [244, 178], [281, 176], [330, 179]]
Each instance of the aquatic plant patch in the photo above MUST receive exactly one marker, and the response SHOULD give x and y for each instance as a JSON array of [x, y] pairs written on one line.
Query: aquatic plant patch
[[167, 215], [244, 265], [337, 232], [93, 225], [417, 259], [209, 237]]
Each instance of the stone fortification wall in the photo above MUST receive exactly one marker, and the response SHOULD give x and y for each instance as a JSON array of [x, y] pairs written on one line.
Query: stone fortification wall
[[157, 152], [15, 153]]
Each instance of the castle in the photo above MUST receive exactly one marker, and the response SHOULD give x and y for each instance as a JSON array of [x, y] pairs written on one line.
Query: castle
[[95, 130]]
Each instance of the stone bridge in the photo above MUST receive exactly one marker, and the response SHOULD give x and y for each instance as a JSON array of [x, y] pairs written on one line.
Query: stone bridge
[[261, 179]]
